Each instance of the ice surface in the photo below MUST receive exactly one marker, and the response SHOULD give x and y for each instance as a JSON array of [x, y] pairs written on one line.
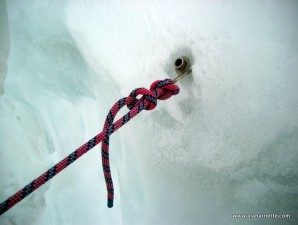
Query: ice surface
[[4, 43], [226, 144]]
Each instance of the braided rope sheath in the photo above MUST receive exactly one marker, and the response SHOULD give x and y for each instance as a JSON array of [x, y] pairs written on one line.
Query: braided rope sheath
[[161, 90]]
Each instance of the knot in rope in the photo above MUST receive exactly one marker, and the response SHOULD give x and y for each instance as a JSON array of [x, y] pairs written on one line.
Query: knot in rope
[[160, 89]]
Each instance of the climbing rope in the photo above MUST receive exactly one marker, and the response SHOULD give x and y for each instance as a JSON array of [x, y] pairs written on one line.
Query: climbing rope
[[160, 89]]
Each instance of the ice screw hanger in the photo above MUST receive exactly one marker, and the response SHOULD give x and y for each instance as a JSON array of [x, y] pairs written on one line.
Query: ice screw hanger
[[159, 90], [182, 68]]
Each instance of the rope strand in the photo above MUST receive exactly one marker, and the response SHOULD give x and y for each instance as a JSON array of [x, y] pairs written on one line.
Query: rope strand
[[161, 90]]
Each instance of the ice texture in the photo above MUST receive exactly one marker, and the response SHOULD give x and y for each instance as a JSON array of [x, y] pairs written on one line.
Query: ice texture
[[228, 143]]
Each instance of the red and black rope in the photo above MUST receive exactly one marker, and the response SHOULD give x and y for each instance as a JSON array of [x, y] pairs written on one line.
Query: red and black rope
[[160, 89]]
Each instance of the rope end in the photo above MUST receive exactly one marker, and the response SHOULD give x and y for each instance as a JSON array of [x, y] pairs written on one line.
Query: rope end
[[110, 203]]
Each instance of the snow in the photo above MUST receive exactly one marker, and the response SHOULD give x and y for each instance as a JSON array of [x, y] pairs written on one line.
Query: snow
[[226, 144]]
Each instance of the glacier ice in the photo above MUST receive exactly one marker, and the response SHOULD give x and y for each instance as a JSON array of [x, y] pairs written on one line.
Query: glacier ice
[[226, 144]]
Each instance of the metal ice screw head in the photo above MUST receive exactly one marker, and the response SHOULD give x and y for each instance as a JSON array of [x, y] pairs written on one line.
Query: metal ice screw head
[[182, 67]]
